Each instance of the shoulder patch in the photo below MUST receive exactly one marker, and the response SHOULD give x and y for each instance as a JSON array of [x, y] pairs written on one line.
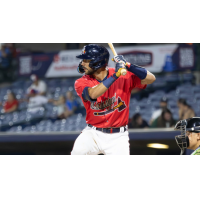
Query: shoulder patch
[[197, 152]]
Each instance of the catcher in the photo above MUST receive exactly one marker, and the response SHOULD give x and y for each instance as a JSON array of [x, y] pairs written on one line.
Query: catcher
[[190, 135]]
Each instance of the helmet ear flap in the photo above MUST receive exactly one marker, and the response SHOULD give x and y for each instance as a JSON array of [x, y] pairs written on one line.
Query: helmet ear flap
[[80, 68]]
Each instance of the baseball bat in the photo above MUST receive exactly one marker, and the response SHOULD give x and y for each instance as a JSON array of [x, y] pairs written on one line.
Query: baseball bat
[[124, 71]]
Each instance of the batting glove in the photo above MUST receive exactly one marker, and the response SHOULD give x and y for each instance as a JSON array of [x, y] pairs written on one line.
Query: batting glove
[[119, 66], [120, 59]]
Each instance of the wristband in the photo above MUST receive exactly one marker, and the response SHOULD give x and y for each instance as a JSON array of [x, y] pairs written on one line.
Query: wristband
[[86, 95], [108, 82], [140, 72]]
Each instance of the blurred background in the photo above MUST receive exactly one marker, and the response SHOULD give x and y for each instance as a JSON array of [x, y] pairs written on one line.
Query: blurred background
[[40, 112]]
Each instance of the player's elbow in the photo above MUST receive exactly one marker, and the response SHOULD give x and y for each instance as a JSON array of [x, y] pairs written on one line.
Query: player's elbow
[[93, 96], [153, 79], [149, 79]]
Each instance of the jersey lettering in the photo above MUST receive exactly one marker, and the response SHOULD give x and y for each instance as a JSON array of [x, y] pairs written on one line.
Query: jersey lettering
[[120, 106], [103, 105]]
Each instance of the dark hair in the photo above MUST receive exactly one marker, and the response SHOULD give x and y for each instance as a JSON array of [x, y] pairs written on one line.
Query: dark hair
[[133, 123], [165, 110], [136, 116], [182, 101], [162, 121]]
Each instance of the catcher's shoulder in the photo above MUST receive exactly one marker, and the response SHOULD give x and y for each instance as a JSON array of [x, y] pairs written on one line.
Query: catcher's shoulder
[[197, 152]]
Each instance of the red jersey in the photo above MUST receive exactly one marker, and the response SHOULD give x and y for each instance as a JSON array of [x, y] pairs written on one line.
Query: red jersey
[[9, 105], [112, 108]]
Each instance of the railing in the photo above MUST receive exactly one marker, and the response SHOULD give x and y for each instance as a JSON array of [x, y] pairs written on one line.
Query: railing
[[134, 134]]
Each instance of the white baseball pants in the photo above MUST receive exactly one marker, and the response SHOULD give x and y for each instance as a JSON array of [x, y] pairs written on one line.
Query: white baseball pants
[[93, 142]]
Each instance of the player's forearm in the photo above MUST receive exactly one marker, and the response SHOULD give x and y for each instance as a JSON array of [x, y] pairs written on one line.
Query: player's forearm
[[99, 90], [96, 92]]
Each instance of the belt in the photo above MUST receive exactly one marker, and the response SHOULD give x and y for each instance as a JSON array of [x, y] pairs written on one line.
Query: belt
[[108, 130]]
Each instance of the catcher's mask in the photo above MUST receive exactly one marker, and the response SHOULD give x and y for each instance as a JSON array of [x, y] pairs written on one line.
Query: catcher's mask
[[191, 125]]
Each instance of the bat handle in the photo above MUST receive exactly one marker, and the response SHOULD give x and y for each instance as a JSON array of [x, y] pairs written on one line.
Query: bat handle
[[123, 72]]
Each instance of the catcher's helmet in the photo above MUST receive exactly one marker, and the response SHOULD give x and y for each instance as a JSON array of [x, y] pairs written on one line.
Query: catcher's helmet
[[98, 55], [192, 125]]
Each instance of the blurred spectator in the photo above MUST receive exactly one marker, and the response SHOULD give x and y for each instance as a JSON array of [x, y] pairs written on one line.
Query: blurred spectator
[[165, 120], [38, 85], [11, 104], [185, 111], [36, 101], [157, 113], [138, 122], [71, 104], [11, 47], [5, 63], [5, 56], [61, 106]]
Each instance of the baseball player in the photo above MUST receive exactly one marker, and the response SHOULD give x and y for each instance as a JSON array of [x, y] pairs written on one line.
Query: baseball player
[[190, 135], [106, 97]]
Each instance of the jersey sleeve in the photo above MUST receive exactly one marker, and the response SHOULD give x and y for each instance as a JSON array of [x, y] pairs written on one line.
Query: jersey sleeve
[[135, 82], [197, 152], [80, 86]]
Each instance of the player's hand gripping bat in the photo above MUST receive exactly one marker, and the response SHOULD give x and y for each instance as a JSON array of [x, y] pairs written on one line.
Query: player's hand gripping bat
[[123, 71]]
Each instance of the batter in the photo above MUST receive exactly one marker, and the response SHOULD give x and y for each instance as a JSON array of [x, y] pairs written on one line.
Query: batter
[[106, 96]]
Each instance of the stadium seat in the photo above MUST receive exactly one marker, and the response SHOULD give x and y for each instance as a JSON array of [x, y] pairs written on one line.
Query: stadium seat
[[27, 129], [159, 83], [197, 96], [23, 105], [172, 78], [188, 77], [45, 123], [40, 128], [16, 129]]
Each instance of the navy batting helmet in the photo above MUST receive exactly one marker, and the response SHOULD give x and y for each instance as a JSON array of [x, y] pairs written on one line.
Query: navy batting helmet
[[98, 55], [192, 125]]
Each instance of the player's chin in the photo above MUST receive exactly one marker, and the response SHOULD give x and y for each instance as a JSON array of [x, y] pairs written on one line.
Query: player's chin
[[89, 72]]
